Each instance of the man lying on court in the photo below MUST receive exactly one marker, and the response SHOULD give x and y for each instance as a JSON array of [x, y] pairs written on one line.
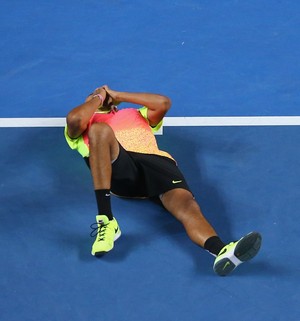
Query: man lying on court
[[122, 153]]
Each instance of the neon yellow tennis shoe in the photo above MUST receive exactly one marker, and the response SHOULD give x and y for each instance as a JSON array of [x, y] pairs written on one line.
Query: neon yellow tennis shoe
[[236, 253], [106, 232]]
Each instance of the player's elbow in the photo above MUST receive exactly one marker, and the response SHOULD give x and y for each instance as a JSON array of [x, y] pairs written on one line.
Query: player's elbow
[[75, 124], [166, 103]]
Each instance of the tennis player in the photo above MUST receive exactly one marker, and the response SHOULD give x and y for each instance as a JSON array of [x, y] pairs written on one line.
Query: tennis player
[[121, 151]]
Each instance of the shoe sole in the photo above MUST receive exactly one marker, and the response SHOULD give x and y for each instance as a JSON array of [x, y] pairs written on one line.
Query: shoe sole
[[100, 254], [245, 250], [248, 246]]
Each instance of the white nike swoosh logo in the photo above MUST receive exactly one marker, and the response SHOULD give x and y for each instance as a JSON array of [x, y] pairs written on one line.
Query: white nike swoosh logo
[[176, 182]]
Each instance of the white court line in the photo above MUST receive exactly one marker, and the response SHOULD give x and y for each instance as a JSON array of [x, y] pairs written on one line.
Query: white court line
[[233, 121], [170, 121], [32, 122]]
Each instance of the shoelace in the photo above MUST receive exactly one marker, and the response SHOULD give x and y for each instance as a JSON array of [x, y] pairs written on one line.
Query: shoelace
[[98, 231]]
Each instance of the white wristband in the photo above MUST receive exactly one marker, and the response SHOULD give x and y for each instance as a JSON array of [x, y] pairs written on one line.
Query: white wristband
[[100, 97]]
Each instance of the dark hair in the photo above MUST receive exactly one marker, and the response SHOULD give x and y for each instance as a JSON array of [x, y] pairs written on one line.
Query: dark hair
[[105, 103]]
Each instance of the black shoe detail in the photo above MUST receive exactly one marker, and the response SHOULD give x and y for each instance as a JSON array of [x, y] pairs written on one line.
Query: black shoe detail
[[248, 246], [100, 254], [224, 250]]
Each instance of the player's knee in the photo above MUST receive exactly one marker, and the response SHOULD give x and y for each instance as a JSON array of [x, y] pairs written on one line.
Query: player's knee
[[180, 203], [188, 207], [100, 132]]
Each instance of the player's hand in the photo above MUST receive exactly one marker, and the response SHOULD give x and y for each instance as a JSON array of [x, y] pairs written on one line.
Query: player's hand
[[99, 90], [113, 94]]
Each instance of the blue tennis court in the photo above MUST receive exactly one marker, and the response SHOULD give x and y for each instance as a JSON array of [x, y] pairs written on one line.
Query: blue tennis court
[[214, 59]]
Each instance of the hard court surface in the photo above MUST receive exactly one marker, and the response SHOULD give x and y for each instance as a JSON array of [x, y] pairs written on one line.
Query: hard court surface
[[213, 58]]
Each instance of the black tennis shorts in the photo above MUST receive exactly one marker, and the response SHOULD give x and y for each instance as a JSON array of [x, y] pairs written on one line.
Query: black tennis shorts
[[144, 175]]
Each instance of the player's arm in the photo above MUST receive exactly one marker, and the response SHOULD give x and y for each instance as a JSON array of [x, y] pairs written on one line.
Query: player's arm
[[79, 117], [157, 105]]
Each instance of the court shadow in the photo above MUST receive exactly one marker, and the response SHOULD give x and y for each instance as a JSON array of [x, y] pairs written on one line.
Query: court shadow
[[201, 260], [259, 268], [127, 244], [80, 243], [158, 224]]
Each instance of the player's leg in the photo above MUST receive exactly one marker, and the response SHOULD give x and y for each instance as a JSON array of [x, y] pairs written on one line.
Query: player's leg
[[181, 203], [104, 149], [183, 206]]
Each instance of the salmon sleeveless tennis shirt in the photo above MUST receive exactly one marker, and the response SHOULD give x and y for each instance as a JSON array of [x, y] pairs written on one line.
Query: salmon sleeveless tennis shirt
[[131, 129]]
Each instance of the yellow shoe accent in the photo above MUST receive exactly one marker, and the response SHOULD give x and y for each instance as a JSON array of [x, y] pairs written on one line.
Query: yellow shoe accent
[[235, 253], [106, 233]]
